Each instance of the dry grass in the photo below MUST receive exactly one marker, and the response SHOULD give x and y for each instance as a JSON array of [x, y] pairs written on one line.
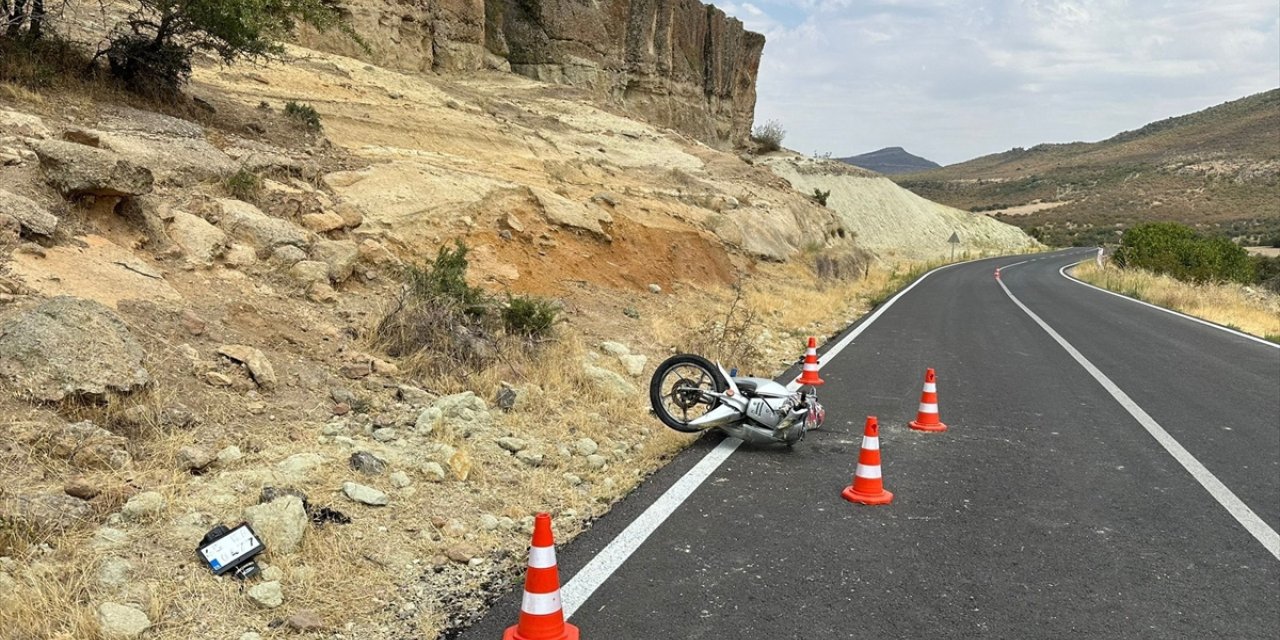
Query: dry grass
[[1253, 311]]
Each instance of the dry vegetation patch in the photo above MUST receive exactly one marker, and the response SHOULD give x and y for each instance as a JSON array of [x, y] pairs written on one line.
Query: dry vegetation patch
[[1249, 309]]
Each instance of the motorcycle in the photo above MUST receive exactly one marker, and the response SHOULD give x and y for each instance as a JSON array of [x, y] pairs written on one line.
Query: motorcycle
[[690, 394]]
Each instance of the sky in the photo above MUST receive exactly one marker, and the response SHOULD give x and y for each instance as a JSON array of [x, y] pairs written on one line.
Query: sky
[[952, 80]]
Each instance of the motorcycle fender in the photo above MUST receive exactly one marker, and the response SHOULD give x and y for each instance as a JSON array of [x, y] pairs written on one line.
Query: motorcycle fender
[[716, 417]]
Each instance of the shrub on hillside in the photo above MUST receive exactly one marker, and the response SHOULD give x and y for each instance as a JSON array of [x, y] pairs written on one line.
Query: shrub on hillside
[[1177, 250], [440, 323], [819, 196], [768, 136], [303, 115]]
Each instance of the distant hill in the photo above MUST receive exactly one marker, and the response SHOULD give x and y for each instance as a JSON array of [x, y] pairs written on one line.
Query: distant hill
[[891, 161], [1216, 169]]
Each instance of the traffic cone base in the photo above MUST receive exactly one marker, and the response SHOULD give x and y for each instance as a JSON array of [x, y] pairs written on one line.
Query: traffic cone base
[[809, 372], [570, 633], [919, 426], [852, 495]]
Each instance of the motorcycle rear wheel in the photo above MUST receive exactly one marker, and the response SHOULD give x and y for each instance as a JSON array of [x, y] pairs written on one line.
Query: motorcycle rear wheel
[[676, 388]]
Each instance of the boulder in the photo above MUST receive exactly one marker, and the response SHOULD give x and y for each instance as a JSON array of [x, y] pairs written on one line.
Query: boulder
[[76, 170], [323, 221], [120, 622], [339, 256], [194, 458], [31, 216], [309, 272], [288, 255], [22, 124], [44, 511], [88, 446], [608, 381], [201, 241], [280, 523], [245, 222], [259, 367], [634, 364], [69, 346]]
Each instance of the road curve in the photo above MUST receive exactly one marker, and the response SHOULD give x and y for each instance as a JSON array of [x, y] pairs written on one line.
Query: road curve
[[1046, 510]]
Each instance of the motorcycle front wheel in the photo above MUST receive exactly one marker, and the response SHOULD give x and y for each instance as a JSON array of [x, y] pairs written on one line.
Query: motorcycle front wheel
[[677, 388]]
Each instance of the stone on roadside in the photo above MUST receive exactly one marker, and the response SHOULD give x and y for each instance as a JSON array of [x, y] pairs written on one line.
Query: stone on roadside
[[461, 553], [530, 458], [194, 458], [266, 594], [512, 444], [120, 622], [144, 506], [339, 257], [305, 620], [634, 364], [385, 434], [654, 288], [229, 455], [113, 573], [586, 446], [608, 381], [596, 461], [367, 463], [259, 367], [323, 222], [288, 255], [616, 349], [401, 480], [427, 420], [201, 241], [488, 522], [433, 471], [80, 487], [365, 495], [281, 523]]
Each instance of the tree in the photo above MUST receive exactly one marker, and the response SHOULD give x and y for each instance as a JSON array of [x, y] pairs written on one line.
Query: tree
[[18, 15], [152, 49]]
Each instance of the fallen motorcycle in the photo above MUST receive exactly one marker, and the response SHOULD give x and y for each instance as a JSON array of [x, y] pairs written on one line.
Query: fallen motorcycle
[[690, 394]]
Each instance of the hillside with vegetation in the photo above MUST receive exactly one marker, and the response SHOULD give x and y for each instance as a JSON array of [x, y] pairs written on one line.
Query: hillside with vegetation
[[1217, 170]]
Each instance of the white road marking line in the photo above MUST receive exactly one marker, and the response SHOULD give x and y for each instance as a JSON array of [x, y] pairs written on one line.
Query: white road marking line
[[585, 582], [1063, 273], [1234, 505]]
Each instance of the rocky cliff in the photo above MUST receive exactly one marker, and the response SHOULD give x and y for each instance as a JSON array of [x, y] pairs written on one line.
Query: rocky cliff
[[677, 63]]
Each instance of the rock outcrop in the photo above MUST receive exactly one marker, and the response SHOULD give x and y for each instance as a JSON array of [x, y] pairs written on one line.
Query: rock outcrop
[[679, 63], [69, 346]]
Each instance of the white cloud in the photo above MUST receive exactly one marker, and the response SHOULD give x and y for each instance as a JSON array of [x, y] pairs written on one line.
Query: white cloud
[[953, 79]]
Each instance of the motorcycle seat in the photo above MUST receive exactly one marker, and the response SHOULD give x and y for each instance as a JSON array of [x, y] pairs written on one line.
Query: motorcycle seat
[[745, 386]]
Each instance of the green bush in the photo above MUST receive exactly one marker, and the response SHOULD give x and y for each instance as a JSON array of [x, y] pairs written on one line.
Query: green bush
[[243, 185], [819, 196], [529, 316], [445, 280], [1177, 250], [769, 136], [151, 49], [304, 115]]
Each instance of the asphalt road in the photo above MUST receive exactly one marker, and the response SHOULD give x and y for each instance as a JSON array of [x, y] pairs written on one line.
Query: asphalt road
[[1047, 510]]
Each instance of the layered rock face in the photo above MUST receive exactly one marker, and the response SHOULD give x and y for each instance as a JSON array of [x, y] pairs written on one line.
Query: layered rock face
[[678, 63]]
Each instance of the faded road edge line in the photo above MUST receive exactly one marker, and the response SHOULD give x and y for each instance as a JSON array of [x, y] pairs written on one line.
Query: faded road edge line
[[1234, 505], [1063, 272], [590, 577]]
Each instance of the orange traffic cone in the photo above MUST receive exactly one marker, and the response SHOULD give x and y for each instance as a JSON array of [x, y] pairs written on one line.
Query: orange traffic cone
[[927, 416], [868, 486], [541, 613], [809, 375], [997, 273]]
